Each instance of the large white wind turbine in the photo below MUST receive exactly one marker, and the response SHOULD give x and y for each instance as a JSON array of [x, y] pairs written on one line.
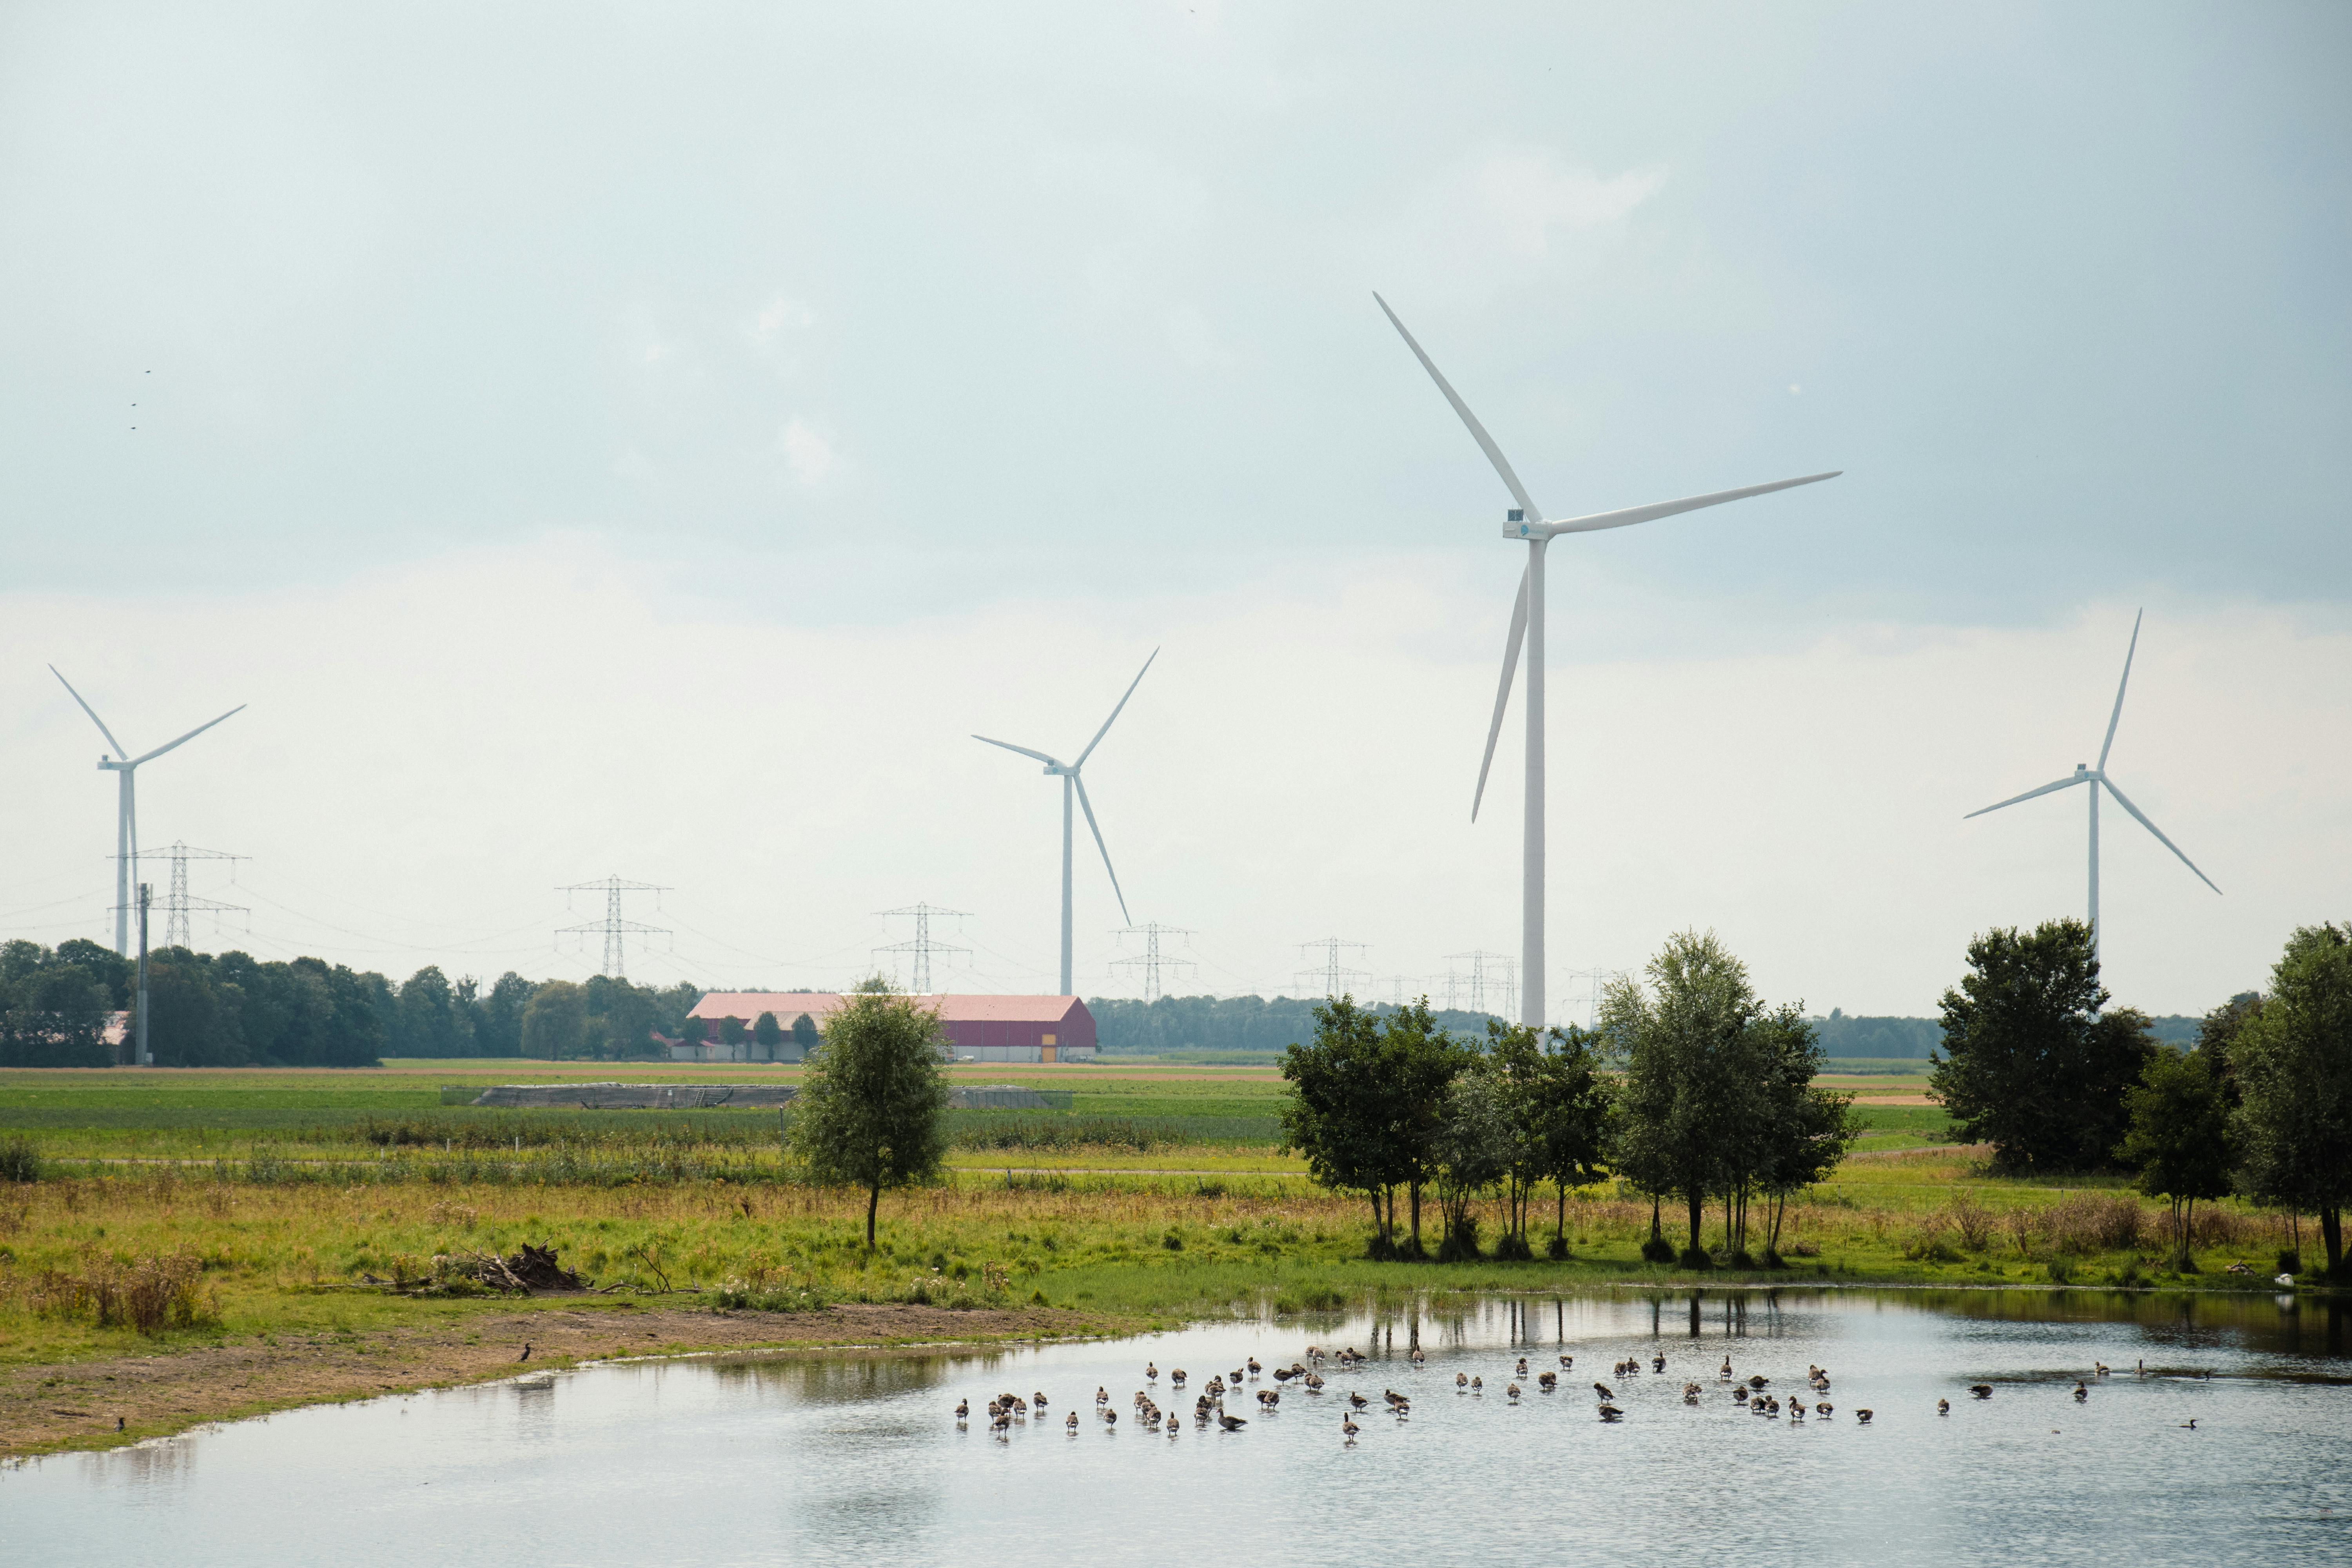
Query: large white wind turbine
[[125, 768], [2097, 779], [1072, 783], [1523, 521]]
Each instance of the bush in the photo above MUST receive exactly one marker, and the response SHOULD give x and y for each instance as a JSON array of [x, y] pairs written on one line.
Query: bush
[[2084, 1223], [1172, 1242], [1970, 1221], [1694, 1259], [1556, 1249], [2290, 1261], [19, 1161], [1929, 1246], [1514, 1249], [1657, 1250], [1461, 1243], [155, 1293]]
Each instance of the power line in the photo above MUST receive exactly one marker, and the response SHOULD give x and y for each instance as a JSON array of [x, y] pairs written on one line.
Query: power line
[[1330, 973], [923, 945], [179, 902], [1490, 983], [613, 927], [1152, 961], [1596, 981]]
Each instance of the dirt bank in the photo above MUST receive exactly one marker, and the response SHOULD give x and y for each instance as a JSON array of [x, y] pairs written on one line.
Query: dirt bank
[[46, 1408]]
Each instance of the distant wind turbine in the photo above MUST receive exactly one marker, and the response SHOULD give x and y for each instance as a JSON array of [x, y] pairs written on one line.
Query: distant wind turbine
[[1523, 521], [125, 767], [2097, 778], [1072, 783]]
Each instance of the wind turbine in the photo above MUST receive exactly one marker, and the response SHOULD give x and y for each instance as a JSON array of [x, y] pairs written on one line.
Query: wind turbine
[[125, 768], [2097, 779], [1523, 521], [1072, 783]]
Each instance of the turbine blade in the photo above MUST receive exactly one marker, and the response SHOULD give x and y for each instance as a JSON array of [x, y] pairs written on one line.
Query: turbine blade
[[2141, 817], [2029, 794], [1633, 514], [94, 719], [1503, 690], [1114, 714], [2117, 716], [1023, 750], [1478, 431], [191, 735], [1095, 829]]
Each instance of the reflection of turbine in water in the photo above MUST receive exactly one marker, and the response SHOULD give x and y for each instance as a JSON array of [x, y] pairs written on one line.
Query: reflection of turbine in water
[[1523, 522], [2097, 779], [1072, 783], [125, 768]]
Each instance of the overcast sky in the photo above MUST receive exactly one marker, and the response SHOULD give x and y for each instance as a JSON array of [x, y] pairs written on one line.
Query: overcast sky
[[651, 439]]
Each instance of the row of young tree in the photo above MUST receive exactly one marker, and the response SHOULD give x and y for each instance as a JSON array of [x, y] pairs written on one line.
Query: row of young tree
[[1692, 1091], [231, 1009], [2035, 1063]]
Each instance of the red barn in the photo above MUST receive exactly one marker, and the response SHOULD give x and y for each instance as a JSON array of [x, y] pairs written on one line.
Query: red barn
[[978, 1028]]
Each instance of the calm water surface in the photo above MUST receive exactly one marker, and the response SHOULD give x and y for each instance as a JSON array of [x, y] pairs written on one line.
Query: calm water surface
[[810, 1461]]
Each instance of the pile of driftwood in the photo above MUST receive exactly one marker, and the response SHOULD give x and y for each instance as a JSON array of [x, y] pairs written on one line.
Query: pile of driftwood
[[534, 1268]]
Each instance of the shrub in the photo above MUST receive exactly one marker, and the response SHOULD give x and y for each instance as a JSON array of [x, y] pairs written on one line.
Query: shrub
[[1657, 1250], [1694, 1259], [2290, 1261], [2084, 1223], [1929, 1246], [1172, 1242], [150, 1295], [1971, 1220], [1461, 1243], [1514, 1249], [1556, 1249], [19, 1161]]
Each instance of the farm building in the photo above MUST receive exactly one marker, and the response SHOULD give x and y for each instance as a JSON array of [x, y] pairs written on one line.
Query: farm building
[[978, 1028]]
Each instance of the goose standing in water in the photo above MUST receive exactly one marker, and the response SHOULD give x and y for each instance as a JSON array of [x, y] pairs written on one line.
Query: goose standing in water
[[1523, 1366], [1658, 1363], [1151, 1373], [1726, 1371], [1041, 1401], [2081, 1392], [1982, 1390], [1477, 1385], [1603, 1389], [1356, 1399], [1072, 1423], [1102, 1395], [963, 1409], [1862, 1416], [1253, 1368], [1567, 1362], [1824, 1409], [1462, 1379], [1548, 1381], [1177, 1377], [1943, 1408], [1513, 1390], [1690, 1393], [1348, 1425], [1611, 1413], [1230, 1423]]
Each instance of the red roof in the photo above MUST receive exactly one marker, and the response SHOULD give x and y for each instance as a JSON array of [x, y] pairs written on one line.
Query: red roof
[[952, 1008]]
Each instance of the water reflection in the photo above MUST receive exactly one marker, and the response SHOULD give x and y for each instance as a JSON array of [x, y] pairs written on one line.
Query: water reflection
[[858, 1459]]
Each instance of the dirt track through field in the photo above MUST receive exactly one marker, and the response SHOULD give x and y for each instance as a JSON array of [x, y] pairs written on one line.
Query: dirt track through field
[[78, 1405]]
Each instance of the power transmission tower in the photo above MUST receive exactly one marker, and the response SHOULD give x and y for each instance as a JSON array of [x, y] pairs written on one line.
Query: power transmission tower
[[613, 927], [1595, 981], [1491, 982], [1152, 961], [1330, 973], [923, 946], [178, 902], [1399, 985]]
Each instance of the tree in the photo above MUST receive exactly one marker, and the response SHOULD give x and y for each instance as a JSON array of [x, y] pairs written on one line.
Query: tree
[[2178, 1137], [1558, 1108], [1335, 1113], [1416, 1063], [731, 1031], [1682, 1098], [427, 1021], [499, 1033], [769, 1034], [1472, 1145], [53, 1010], [871, 1112], [556, 1020], [2294, 1065], [804, 1036], [2029, 1063], [1803, 1133]]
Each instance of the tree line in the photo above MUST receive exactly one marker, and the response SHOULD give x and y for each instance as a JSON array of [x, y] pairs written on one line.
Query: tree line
[[1692, 1090], [2035, 1063], [1236, 1023], [231, 1009]]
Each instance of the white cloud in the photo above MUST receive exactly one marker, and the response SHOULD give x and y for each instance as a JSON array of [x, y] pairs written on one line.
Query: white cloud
[[779, 314], [427, 752], [1526, 196], [808, 454]]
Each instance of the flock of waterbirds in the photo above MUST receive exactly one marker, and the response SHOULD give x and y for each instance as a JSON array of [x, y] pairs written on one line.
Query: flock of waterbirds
[[1753, 1393]]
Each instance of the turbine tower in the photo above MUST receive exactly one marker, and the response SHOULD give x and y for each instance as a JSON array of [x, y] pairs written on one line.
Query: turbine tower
[[2097, 779], [125, 768], [1526, 523], [1073, 784]]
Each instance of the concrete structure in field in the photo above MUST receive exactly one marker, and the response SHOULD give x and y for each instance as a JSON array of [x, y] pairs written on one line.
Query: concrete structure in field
[[978, 1028]]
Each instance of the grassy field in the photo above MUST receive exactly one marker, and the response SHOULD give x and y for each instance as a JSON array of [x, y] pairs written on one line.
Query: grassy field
[[310, 1209]]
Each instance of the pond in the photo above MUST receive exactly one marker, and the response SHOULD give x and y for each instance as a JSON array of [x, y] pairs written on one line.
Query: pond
[[862, 1461]]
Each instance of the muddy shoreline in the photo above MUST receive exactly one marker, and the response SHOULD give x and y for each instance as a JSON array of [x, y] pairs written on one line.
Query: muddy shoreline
[[105, 1403]]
